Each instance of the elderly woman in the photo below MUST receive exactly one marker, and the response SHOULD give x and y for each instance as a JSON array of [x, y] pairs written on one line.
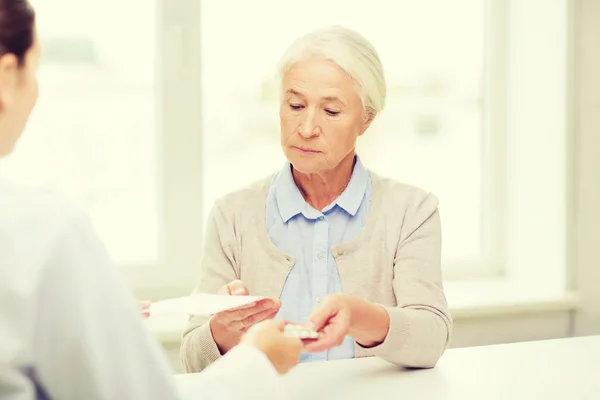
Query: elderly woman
[[326, 241]]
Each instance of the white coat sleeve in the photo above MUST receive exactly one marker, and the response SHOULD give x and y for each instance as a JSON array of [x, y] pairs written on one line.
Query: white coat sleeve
[[91, 343]]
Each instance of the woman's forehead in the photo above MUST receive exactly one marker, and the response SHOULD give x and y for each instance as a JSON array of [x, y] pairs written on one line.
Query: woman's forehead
[[318, 70], [314, 77]]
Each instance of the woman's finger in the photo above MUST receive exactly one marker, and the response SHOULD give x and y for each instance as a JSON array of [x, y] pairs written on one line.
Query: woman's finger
[[237, 288], [331, 335], [259, 317], [319, 318], [144, 305], [234, 288], [240, 314], [244, 307], [323, 343], [260, 308], [224, 290]]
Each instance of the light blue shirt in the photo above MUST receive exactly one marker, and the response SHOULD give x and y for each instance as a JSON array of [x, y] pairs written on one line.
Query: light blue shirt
[[308, 234]]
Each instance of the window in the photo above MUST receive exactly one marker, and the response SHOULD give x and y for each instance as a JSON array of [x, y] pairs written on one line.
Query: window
[[114, 79], [93, 135], [431, 133], [149, 111]]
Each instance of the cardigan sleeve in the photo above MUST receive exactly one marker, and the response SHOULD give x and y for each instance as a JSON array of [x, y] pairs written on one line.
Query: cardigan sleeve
[[219, 266], [420, 324]]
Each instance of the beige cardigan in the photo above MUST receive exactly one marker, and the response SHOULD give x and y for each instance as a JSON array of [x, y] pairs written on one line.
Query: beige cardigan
[[394, 261]]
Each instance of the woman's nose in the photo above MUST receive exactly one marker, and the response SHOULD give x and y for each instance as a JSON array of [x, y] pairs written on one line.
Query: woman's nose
[[309, 127]]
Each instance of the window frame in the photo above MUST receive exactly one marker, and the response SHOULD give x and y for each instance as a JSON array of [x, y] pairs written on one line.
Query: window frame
[[512, 251], [179, 184], [493, 153]]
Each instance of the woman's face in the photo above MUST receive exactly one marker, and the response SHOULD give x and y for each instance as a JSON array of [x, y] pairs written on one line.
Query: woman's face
[[18, 94], [321, 116]]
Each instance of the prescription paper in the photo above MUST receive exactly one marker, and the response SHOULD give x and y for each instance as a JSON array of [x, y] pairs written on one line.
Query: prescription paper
[[201, 304]]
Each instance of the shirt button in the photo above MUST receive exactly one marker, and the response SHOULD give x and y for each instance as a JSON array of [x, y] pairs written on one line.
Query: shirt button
[[321, 218], [319, 299], [320, 255]]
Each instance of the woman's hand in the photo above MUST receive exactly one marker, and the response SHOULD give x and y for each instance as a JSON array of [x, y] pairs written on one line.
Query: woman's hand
[[332, 319], [340, 315], [227, 327], [268, 337]]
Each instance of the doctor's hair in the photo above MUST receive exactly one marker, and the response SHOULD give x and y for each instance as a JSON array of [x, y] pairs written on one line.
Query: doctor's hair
[[17, 28]]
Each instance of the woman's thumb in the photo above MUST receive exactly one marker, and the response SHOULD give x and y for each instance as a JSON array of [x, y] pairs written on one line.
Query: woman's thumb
[[237, 288]]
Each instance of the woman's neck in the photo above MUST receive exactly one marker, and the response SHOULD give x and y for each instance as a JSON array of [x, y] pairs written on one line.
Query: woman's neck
[[321, 189]]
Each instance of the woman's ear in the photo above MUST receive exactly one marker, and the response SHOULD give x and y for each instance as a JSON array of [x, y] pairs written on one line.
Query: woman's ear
[[9, 68], [369, 117]]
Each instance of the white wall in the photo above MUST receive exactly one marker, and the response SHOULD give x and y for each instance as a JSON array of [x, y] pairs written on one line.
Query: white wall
[[586, 166], [507, 329]]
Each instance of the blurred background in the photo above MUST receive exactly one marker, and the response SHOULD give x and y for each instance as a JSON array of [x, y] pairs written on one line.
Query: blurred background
[[151, 109]]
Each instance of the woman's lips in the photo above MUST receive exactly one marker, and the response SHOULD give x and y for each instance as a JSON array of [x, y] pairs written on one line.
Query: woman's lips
[[306, 150]]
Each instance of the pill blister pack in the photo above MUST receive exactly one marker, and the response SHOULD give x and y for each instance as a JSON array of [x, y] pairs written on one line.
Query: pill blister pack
[[300, 331]]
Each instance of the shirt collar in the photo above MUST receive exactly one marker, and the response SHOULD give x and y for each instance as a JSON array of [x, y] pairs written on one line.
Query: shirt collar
[[289, 199], [352, 197], [291, 203]]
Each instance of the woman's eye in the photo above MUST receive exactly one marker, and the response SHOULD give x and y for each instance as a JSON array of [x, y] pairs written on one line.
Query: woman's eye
[[296, 107], [332, 113]]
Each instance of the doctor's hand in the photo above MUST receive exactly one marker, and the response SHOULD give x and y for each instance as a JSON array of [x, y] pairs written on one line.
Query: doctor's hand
[[268, 337], [227, 327], [144, 306]]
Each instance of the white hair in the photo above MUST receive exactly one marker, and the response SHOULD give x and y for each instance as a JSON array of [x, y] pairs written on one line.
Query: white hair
[[351, 52]]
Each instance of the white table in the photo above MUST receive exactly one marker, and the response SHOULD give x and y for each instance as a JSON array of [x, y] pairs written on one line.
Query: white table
[[566, 369]]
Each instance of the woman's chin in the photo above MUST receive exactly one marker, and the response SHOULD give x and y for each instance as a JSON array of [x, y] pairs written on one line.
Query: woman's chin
[[305, 166]]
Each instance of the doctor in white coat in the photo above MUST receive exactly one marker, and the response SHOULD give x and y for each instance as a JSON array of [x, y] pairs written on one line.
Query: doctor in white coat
[[69, 328]]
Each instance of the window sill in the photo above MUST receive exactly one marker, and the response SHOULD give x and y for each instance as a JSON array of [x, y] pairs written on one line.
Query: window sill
[[467, 300], [500, 297]]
